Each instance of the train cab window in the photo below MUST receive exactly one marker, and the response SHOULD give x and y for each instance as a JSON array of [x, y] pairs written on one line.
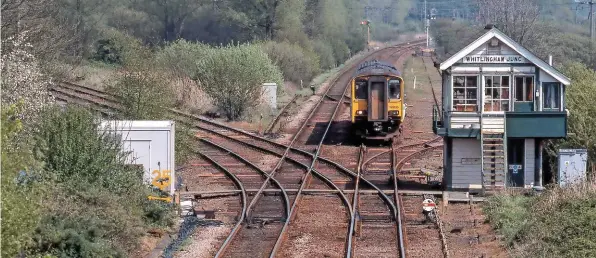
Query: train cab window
[[394, 88], [361, 88]]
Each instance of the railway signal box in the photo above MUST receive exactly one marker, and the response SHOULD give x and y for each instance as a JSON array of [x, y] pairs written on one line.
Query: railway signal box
[[499, 103]]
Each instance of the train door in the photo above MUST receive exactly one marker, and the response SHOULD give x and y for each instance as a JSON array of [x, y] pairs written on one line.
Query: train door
[[377, 103]]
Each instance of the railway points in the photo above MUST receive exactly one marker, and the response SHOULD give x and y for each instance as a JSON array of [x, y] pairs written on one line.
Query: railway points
[[333, 192]]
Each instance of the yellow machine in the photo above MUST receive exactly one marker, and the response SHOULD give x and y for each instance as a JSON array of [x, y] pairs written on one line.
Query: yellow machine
[[377, 103]]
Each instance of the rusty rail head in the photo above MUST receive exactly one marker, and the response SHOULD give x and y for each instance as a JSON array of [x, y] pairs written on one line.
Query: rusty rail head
[[355, 202], [290, 148], [315, 156], [243, 213], [402, 162], [284, 229], [278, 116], [398, 213], [260, 171]]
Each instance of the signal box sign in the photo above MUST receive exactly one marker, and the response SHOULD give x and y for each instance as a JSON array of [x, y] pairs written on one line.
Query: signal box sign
[[494, 59]]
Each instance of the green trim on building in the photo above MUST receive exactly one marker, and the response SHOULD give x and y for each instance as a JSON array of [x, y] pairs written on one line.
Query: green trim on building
[[536, 124]]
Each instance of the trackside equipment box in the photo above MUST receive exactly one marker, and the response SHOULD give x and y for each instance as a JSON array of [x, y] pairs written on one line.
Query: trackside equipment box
[[151, 145], [572, 166]]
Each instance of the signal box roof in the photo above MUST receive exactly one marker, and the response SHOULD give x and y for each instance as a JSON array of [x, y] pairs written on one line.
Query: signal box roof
[[376, 67], [502, 37]]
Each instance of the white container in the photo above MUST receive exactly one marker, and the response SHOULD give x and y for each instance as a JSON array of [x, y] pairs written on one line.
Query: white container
[[151, 144]]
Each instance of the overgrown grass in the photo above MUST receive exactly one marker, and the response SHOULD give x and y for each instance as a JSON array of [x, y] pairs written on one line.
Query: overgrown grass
[[509, 213], [558, 223]]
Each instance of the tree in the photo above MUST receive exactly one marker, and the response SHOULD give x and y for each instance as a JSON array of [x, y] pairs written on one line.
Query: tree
[[172, 14], [23, 80], [259, 17], [517, 18], [50, 33], [289, 22], [582, 119]]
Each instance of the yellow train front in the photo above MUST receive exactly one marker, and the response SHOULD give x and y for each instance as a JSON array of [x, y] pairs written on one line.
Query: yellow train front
[[377, 101]]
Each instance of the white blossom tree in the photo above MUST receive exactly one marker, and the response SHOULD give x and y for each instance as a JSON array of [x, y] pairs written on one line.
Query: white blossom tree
[[22, 79]]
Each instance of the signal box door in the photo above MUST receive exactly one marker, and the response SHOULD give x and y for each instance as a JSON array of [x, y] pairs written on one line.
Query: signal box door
[[377, 101], [515, 158]]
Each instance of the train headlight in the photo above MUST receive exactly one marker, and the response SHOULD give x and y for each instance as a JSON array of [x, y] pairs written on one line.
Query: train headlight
[[361, 112], [393, 113]]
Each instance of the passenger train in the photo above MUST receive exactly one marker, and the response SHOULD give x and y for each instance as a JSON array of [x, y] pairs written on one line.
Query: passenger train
[[377, 101]]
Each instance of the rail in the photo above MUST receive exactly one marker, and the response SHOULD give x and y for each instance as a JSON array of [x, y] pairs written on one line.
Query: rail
[[305, 179], [355, 201], [239, 185], [315, 157], [400, 229], [278, 116]]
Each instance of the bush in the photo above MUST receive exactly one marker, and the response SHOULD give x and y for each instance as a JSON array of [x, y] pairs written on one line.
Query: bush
[[233, 76], [178, 60], [108, 52], [558, 223], [325, 53], [341, 51], [89, 157], [295, 62], [143, 90], [509, 214], [97, 206], [181, 57], [20, 197], [116, 47]]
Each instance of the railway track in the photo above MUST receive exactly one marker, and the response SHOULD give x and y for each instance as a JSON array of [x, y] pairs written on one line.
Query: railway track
[[313, 141], [378, 227], [225, 142], [424, 238], [283, 112]]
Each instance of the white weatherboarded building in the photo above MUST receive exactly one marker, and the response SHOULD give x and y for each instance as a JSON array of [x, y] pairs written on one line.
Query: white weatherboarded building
[[500, 103]]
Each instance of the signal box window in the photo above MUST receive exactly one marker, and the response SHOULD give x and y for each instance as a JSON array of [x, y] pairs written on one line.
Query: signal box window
[[465, 93], [361, 89], [394, 88], [524, 88], [496, 93], [551, 93]]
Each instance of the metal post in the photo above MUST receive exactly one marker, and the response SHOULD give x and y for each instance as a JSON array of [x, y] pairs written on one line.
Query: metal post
[[427, 23], [368, 34], [425, 13], [427, 36], [592, 33]]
